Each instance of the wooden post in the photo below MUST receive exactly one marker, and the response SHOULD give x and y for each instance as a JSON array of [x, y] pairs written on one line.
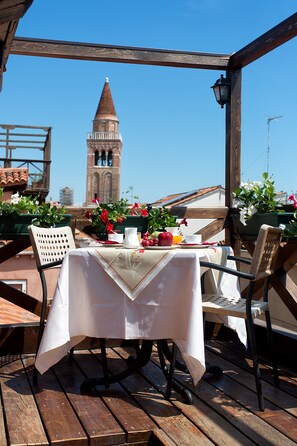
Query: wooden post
[[233, 144]]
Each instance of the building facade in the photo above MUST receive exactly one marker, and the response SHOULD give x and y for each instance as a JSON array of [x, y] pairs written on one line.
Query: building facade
[[104, 152], [66, 196]]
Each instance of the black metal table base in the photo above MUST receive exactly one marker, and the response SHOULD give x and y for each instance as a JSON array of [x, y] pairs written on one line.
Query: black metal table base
[[142, 357]]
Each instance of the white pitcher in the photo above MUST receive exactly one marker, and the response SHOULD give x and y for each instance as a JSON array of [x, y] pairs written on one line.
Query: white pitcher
[[131, 238]]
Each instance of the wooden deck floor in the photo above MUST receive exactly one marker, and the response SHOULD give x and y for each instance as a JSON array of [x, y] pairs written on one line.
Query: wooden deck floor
[[135, 412]]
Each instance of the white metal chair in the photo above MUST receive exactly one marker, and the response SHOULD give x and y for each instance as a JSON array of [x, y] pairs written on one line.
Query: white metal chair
[[261, 267], [49, 246]]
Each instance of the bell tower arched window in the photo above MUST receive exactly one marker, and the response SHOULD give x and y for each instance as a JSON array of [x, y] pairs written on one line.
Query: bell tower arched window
[[97, 160], [109, 158], [103, 158]]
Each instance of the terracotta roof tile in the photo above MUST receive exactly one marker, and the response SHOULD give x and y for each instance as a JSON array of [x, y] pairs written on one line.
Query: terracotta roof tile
[[13, 177]]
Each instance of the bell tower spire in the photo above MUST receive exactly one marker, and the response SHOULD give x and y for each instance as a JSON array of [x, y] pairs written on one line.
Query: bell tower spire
[[104, 152]]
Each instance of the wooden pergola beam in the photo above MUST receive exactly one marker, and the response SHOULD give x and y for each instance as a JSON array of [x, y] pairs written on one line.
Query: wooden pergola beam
[[273, 38], [123, 54]]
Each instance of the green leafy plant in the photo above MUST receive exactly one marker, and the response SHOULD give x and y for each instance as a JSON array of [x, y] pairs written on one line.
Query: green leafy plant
[[290, 230], [255, 196], [47, 214], [160, 218]]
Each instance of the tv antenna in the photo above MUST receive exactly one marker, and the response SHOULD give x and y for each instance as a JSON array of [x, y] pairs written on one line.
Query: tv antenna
[[269, 119]]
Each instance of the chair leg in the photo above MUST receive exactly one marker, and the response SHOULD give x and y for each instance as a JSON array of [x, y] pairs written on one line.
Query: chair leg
[[40, 332], [271, 348], [71, 354], [252, 344]]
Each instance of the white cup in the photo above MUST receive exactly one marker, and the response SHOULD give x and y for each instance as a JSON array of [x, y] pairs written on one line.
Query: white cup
[[194, 238], [115, 237], [131, 238]]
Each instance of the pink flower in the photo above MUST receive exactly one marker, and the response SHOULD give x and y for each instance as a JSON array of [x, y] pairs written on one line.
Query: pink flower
[[292, 198]]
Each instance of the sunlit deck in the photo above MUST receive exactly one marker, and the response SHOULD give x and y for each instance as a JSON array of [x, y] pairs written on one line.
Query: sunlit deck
[[135, 412]]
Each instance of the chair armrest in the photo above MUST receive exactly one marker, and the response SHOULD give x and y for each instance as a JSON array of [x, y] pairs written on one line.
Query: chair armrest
[[50, 265], [239, 259], [227, 270]]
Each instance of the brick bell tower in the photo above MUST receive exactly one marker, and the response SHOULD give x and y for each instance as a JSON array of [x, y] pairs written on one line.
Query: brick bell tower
[[104, 152]]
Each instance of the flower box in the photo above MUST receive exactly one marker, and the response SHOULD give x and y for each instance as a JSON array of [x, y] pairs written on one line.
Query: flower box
[[251, 230], [132, 221], [12, 228]]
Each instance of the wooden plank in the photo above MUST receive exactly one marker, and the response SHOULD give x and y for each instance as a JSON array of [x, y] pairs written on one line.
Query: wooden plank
[[98, 422], [246, 378], [20, 299], [13, 316], [136, 423], [24, 426], [286, 289], [273, 38], [111, 53], [12, 248], [169, 419], [212, 424], [212, 229], [188, 212], [257, 429], [243, 425], [3, 441], [284, 422], [59, 419], [235, 354]]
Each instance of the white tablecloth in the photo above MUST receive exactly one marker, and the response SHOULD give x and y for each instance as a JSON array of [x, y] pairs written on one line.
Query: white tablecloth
[[90, 301]]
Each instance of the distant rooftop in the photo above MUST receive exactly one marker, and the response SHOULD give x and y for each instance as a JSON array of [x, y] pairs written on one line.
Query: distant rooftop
[[182, 197]]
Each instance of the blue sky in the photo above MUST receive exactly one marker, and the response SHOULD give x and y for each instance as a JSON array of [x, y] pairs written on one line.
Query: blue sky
[[172, 128]]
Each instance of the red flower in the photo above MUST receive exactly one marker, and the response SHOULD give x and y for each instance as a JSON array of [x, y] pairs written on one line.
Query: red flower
[[292, 198], [184, 222], [109, 226], [144, 212], [104, 216], [96, 200], [88, 214], [120, 219]]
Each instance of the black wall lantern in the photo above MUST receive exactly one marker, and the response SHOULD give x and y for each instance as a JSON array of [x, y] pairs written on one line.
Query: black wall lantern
[[221, 90]]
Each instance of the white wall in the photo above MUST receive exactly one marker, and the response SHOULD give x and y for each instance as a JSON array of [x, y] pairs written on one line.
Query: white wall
[[213, 199]]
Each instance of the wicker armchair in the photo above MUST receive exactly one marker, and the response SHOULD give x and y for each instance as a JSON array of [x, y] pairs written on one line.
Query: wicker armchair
[[261, 268]]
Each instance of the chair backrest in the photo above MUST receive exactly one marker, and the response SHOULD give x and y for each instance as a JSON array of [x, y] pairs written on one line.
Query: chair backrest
[[50, 244], [265, 253]]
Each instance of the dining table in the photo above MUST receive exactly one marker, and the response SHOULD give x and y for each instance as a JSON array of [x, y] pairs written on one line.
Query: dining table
[[142, 294]]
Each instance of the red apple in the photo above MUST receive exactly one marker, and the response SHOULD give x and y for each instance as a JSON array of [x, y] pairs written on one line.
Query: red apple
[[165, 238]]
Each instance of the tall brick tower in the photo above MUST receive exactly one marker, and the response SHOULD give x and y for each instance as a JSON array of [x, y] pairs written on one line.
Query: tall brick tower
[[104, 152]]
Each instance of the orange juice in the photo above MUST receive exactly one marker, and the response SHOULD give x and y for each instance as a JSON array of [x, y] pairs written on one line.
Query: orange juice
[[177, 239]]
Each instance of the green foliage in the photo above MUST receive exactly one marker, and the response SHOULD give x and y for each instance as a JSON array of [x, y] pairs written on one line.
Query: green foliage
[[48, 214], [256, 196], [159, 219], [290, 231]]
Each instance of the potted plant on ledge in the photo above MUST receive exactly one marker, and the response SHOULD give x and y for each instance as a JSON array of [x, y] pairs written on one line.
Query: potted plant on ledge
[[257, 204], [21, 211], [115, 216]]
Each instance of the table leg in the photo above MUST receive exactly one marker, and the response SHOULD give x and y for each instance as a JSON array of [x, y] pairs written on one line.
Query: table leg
[[143, 355], [162, 348]]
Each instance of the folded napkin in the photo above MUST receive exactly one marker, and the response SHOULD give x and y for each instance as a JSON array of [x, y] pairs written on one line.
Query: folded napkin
[[132, 269]]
